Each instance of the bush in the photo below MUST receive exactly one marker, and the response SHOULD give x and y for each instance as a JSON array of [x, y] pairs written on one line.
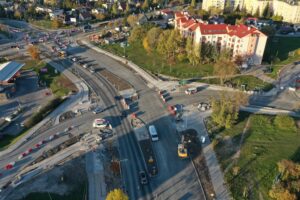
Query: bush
[[284, 122]]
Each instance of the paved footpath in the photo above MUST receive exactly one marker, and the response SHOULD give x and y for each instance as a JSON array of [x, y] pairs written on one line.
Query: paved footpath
[[194, 119]]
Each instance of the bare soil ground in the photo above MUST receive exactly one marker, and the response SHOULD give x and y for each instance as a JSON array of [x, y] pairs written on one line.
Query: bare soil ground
[[60, 180], [66, 83], [116, 81], [111, 167]]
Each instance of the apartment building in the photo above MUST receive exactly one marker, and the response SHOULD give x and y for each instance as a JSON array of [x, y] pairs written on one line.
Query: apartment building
[[288, 9], [207, 4], [221, 4], [240, 39]]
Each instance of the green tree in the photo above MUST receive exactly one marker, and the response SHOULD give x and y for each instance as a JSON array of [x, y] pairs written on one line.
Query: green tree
[[152, 37], [117, 194], [227, 8], [68, 4], [127, 10], [137, 34], [277, 18], [132, 20], [162, 44], [189, 50], [114, 9], [267, 11], [224, 68], [55, 24], [225, 110], [193, 3], [17, 14], [284, 122], [100, 16], [146, 5], [2, 11], [280, 193], [34, 52]]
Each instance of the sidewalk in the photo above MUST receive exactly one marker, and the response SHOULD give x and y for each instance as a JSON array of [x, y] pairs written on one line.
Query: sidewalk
[[95, 172], [194, 119], [69, 103]]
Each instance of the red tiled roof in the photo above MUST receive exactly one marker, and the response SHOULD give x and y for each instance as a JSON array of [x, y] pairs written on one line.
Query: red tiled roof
[[188, 23], [214, 29], [240, 30], [179, 14], [211, 29], [194, 27]]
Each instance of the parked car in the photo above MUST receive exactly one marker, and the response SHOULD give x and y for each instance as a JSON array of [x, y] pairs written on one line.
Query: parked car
[[92, 70], [97, 110], [143, 177]]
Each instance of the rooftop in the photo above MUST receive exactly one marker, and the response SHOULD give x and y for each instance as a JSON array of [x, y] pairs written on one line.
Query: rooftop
[[9, 69]]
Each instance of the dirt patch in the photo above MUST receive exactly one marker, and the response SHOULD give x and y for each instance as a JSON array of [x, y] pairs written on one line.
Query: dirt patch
[[116, 81], [66, 116], [112, 167], [60, 180], [66, 83]]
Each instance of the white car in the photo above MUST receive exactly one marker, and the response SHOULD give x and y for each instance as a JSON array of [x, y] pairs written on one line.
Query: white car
[[92, 70], [85, 66], [74, 59], [100, 123]]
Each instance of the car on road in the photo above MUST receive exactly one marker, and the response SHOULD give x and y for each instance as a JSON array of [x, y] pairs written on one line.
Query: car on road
[[10, 165], [153, 133], [74, 59], [85, 66], [98, 110], [100, 123], [51, 137], [190, 91], [69, 128], [59, 133], [143, 177], [92, 70]]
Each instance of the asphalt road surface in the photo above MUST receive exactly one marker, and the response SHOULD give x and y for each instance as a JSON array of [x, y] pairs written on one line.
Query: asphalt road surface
[[153, 111]]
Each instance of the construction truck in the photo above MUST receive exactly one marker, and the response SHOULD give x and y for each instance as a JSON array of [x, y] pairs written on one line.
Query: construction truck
[[189, 143]]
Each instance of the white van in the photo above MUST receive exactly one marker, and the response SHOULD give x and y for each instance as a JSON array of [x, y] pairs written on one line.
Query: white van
[[153, 133], [190, 91]]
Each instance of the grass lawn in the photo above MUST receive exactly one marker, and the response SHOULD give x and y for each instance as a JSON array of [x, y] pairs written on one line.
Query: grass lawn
[[158, 65], [264, 145], [280, 47], [249, 81], [47, 24], [57, 82]]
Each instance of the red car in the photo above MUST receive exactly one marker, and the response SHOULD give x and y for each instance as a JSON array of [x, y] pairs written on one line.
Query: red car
[[9, 166]]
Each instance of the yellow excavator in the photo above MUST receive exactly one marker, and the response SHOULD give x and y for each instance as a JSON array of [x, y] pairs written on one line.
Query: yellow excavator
[[182, 148]]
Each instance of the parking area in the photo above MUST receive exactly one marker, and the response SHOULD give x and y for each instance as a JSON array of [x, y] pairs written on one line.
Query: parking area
[[28, 96]]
